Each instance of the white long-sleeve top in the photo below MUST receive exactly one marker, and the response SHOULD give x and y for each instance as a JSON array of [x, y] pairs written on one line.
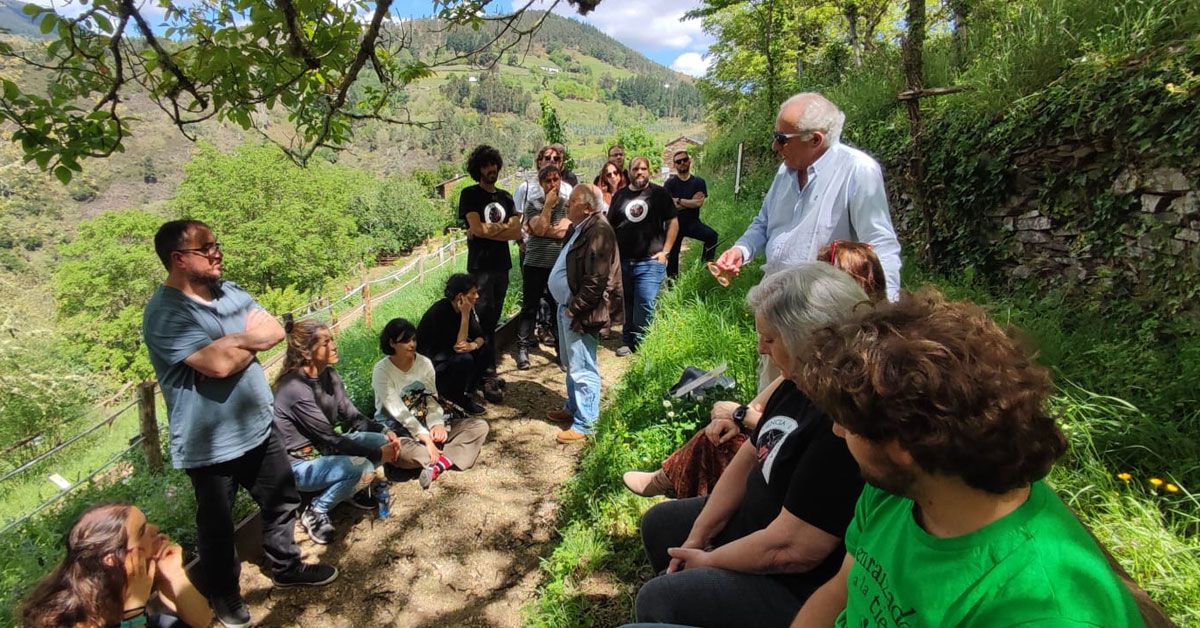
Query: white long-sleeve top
[[398, 394], [844, 199]]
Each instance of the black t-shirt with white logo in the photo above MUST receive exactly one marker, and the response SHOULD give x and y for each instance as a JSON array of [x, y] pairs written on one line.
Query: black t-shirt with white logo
[[803, 467], [492, 207], [640, 220], [678, 188]]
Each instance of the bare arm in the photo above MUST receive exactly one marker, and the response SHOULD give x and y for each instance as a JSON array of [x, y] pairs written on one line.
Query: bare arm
[[672, 235], [789, 545], [233, 353], [508, 230], [827, 602], [540, 226], [696, 202]]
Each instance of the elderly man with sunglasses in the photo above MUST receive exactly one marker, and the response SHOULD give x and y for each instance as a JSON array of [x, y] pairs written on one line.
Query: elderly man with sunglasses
[[824, 191]]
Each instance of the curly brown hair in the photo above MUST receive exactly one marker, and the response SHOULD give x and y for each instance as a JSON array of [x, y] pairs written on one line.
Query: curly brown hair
[[961, 394], [858, 259]]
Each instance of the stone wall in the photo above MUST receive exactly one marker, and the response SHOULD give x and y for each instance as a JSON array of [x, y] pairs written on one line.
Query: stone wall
[[1042, 230]]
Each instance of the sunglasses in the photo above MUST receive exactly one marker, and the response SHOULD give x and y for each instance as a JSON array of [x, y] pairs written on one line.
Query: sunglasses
[[782, 138], [683, 160]]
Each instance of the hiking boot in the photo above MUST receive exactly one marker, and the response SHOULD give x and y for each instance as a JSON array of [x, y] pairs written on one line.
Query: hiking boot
[[306, 575], [231, 611], [522, 358], [363, 500], [558, 416], [492, 391], [569, 436], [318, 526], [624, 351]]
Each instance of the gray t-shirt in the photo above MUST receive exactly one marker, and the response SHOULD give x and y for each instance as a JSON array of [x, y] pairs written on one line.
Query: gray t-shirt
[[211, 420]]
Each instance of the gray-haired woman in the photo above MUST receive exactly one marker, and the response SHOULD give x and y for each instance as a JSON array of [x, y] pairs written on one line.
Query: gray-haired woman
[[770, 532]]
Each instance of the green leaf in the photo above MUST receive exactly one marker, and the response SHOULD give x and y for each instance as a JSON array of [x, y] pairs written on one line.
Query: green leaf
[[48, 23], [31, 9], [63, 173], [102, 22], [11, 91]]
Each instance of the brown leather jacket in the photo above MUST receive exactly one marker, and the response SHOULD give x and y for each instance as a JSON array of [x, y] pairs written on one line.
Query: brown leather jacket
[[593, 269]]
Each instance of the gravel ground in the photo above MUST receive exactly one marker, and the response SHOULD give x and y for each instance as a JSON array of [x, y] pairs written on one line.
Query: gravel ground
[[464, 553]]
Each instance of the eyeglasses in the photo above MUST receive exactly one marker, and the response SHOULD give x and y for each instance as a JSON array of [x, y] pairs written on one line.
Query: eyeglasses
[[782, 138], [682, 161], [208, 250], [554, 159]]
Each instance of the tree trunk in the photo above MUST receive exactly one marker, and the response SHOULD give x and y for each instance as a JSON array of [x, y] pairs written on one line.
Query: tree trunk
[[960, 12], [850, 10], [913, 50], [768, 23]]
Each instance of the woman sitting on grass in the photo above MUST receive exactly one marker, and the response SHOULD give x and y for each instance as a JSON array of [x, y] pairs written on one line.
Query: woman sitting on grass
[[406, 399], [771, 531], [309, 399], [115, 562], [694, 468]]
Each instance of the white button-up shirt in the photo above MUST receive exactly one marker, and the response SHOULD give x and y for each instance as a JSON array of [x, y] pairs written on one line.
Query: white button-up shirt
[[844, 199]]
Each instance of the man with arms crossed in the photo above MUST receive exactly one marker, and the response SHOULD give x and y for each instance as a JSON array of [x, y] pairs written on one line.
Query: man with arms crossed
[[946, 416], [689, 193], [203, 335], [492, 222]]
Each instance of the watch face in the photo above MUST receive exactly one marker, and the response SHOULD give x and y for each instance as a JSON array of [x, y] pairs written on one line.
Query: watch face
[[493, 213]]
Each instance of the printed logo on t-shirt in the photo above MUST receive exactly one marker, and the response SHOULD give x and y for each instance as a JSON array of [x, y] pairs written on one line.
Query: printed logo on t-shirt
[[636, 210], [494, 213], [776, 430]]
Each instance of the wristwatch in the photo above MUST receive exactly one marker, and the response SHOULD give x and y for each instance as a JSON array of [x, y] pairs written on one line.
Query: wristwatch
[[739, 416]]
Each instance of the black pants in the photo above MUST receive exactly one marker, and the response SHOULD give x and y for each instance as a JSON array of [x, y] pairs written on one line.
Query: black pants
[[691, 227], [533, 289], [706, 596], [461, 373], [493, 285], [266, 473]]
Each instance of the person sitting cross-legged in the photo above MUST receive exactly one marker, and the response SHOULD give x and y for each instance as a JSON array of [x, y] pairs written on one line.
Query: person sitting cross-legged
[[450, 335], [405, 398], [770, 533], [946, 415], [310, 398], [695, 468]]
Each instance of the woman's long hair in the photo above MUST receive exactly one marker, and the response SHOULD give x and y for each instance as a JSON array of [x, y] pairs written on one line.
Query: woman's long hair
[[607, 190], [88, 587], [858, 260], [301, 341]]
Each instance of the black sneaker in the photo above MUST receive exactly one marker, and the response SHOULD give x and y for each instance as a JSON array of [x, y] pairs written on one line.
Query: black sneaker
[[317, 525], [363, 500], [231, 611], [492, 392], [473, 408], [306, 575], [522, 359]]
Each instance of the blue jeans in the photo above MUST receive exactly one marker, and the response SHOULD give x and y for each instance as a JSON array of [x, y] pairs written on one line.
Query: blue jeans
[[641, 279], [578, 353], [337, 477]]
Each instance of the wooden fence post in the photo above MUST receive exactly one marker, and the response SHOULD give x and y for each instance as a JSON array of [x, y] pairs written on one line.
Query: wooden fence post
[[421, 269], [148, 417], [366, 297]]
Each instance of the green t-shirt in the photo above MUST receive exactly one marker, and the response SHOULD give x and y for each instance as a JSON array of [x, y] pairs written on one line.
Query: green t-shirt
[[1035, 567]]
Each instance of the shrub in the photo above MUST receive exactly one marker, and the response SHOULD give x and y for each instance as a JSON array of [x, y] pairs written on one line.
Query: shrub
[[396, 215]]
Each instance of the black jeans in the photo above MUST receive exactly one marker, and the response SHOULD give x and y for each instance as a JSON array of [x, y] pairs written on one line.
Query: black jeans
[[493, 285], [461, 373], [266, 473], [706, 596], [691, 227], [533, 288]]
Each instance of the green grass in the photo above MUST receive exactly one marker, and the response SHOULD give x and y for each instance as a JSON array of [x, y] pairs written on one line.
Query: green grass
[[1151, 531]]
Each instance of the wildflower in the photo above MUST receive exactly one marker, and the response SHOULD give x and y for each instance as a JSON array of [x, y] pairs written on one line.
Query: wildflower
[[1171, 488], [1175, 89], [666, 403], [1124, 477], [671, 415], [1155, 482]]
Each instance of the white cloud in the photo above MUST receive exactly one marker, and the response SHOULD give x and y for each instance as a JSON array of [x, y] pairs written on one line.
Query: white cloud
[[692, 64], [644, 25]]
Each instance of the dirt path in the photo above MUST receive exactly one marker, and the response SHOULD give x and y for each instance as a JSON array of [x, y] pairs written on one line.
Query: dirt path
[[464, 553]]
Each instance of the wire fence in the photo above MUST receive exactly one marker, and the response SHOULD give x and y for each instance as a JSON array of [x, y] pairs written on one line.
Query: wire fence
[[149, 397]]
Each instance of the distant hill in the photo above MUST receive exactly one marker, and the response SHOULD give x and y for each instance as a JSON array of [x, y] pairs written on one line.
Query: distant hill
[[15, 22]]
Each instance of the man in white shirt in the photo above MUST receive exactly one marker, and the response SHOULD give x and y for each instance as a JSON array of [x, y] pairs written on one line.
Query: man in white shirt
[[824, 191], [530, 190]]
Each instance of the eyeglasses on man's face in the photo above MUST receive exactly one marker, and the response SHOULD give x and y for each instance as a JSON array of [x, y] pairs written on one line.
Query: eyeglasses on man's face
[[208, 250], [681, 161]]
